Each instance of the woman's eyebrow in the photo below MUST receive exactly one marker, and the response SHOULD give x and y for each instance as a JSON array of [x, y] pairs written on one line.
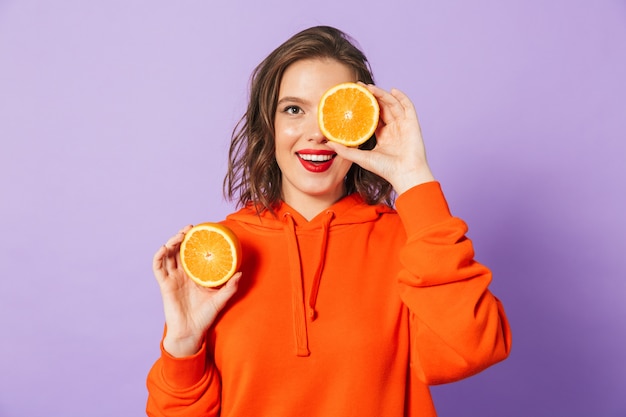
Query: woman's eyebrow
[[292, 99]]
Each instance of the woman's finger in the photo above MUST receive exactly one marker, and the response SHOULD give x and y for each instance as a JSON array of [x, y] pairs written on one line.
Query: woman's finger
[[358, 156], [225, 293], [158, 264], [172, 247], [390, 107], [405, 102], [170, 256]]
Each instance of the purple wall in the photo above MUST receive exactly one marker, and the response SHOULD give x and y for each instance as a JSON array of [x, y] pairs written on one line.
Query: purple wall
[[114, 122]]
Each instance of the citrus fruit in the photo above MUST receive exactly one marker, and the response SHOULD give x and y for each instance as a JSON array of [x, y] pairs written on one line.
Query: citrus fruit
[[348, 114], [210, 254]]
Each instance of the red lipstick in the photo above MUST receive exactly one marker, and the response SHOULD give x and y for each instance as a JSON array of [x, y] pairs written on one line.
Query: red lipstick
[[316, 160]]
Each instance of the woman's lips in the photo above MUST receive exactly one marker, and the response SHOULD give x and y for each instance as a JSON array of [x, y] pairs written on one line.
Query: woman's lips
[[316, 160]]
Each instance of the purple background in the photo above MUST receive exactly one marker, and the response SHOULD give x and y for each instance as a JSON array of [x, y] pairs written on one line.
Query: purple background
[[115, 118]]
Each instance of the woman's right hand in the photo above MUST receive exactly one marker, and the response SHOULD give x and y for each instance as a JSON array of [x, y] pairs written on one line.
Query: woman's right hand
[[190, 309]]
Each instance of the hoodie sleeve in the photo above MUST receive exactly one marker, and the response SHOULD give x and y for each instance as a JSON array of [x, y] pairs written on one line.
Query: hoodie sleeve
[[458, 327], [183, 387]]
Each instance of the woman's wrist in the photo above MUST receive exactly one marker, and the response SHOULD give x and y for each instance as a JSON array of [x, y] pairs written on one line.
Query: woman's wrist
[[180, 347], [407, 181]]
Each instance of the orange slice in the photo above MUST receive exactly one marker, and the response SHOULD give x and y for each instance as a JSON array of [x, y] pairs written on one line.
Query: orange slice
[[348, 114], [210, 254]]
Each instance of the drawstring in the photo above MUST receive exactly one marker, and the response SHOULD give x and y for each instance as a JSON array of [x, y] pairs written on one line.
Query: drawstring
[[315, 285], [297, 291], [297, 288]]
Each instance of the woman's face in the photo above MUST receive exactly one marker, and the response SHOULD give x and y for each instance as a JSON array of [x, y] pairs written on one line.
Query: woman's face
[[309, 168]]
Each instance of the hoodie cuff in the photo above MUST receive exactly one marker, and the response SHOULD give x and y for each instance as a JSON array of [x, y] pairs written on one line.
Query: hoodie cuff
[[422, 206], [181, 373]]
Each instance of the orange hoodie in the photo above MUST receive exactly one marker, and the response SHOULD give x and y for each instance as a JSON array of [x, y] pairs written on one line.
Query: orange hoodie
[[354, 313]]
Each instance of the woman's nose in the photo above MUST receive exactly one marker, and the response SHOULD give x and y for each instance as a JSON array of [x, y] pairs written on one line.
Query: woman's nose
[[314, 132]]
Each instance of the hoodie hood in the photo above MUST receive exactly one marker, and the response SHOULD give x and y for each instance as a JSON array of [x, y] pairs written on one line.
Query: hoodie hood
[[349, 210]]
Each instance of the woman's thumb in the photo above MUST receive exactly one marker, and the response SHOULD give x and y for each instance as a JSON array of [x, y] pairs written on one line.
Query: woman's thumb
[[226, 292]]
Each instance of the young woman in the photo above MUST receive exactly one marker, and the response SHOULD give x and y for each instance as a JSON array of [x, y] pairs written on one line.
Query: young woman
[[346, 303]]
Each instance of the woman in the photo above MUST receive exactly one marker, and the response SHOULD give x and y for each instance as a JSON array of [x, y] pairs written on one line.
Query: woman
[[344, 305]]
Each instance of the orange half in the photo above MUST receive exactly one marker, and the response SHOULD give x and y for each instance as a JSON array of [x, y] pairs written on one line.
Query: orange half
[[210, 254], [348, 114]]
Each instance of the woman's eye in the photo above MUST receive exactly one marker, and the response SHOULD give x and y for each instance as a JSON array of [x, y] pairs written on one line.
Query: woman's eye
[[293, 110]]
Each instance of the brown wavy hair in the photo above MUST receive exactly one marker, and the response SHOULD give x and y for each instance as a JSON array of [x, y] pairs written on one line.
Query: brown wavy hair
[[253, 175]]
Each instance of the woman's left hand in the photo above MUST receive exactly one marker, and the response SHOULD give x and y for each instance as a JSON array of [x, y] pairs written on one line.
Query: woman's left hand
[[399, 155]]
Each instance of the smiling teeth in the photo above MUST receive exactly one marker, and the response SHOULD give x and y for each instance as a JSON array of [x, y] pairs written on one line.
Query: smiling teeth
[[315, 158]]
